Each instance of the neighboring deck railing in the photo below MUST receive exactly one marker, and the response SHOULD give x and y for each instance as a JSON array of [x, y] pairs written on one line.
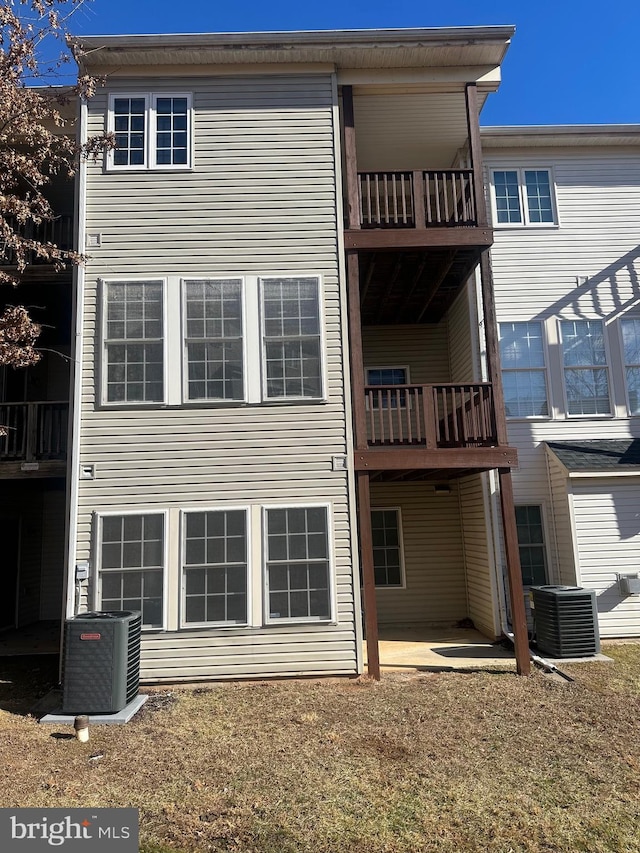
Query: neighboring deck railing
[[58, 231], [432, 416], [34, 431], [422, 199]]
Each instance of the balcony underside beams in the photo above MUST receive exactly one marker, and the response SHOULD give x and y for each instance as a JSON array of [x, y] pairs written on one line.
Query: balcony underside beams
[[417, 238], [36, 470], [406, 459]]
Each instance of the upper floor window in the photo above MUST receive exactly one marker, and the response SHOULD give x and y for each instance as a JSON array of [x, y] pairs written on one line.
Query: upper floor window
[[586, 378], [523, 370], [151, 131], [631, 345], [384, 377], [523, 197], [133, 342]]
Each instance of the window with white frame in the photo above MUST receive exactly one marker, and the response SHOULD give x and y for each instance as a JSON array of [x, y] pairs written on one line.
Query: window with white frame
[[386, 534], [131, 570], [297, 564], [523, 197], [586, 378], [291, 338], [524, 376], [384, 377], [533, 558], [133, 334], [215, 568], [151, 131], [630, 327], [213, 339]]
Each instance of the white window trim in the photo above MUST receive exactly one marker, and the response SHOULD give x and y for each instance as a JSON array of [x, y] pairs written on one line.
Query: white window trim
[[545, 537], [544, 370], [308, 620], [322, 337], [246, 365], [102, 365], [150, 99], [623, 362], [403, 577], [522, 195], [607, 367], [183, 625], [97, 548]]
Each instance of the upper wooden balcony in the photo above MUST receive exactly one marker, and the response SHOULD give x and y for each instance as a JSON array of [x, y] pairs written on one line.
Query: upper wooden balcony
[[58, 231], [419, 209], [432, 427], [35, 443]]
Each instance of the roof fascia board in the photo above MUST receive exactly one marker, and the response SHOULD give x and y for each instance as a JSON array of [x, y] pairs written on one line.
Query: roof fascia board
[[485, 76], [611, 475], [204, 70]]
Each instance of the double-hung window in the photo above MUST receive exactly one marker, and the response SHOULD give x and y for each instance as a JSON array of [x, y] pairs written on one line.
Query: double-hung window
[[523, 197], [213, 338], [215, 566], [387, 547], [132, 564], [151, 131], [631, 345], [133, 334], [297, 564], [523, 370], [533, 560], [292, 342], [586, 378]]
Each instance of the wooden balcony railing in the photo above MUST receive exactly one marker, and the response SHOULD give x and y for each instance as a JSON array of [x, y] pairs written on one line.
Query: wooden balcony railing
[[34, 431], [431, 416], [423, 199], [58, 231]]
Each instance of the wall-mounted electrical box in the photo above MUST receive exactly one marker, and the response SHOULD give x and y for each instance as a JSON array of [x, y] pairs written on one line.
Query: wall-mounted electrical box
[[629, 584]]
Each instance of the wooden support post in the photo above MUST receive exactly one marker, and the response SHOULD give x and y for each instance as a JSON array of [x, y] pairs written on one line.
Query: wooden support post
[[514, 573], [419, 211], [368, 576], [475, 152], [355, 352], [350, 159]]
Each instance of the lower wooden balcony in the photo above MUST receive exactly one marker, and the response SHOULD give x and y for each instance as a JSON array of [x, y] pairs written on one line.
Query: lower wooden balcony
[[35, 439], [449, 426]]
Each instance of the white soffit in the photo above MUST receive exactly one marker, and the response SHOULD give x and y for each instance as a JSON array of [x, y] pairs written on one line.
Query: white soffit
[[417, 131]]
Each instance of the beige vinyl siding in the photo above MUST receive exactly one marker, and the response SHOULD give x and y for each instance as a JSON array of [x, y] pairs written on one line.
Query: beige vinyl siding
[[607, 530], [463, 348], [433, 557], [423, 349], [52, 562], [562, 550], [260, 200], [481, 596]]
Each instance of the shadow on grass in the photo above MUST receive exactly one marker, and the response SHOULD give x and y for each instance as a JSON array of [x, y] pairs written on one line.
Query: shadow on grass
[[24, 680]]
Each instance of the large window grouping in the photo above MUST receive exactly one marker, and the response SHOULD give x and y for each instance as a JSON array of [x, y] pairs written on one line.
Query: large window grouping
[[586, 376]]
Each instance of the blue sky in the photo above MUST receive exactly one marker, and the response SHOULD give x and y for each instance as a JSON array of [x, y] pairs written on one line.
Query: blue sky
[[569, 63]]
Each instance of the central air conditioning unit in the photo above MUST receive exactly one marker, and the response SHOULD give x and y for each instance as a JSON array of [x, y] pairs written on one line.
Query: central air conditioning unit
[[101, 662], [566, 621]]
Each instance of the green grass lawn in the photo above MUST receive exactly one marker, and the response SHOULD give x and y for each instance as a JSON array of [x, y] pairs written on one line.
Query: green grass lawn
[[447, 762]]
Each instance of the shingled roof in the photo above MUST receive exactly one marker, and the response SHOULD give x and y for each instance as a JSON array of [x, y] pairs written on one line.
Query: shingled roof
[[598, 455]]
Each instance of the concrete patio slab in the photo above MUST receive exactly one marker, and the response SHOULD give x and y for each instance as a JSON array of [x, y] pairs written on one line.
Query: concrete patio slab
[[439, 649]]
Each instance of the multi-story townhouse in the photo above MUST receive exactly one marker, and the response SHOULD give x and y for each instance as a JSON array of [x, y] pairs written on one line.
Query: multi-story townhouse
[[286, 378], [566, 263]]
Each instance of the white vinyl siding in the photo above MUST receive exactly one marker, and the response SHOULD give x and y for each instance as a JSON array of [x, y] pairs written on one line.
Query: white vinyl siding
[[261, 202]]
